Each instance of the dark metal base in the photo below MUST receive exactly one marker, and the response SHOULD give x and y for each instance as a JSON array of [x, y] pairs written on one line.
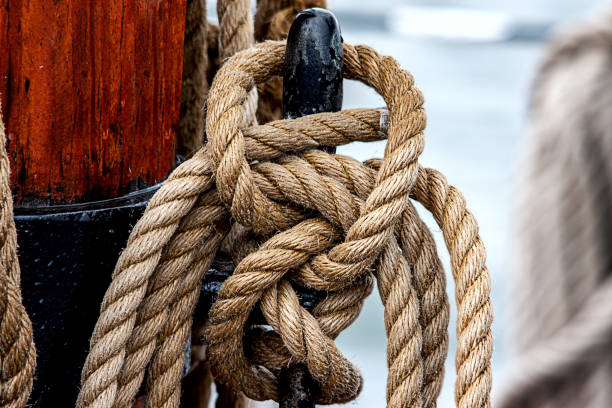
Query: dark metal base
[[67, 254]]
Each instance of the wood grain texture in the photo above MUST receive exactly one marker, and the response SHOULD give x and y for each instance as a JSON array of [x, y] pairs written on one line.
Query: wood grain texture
[[90, 94]]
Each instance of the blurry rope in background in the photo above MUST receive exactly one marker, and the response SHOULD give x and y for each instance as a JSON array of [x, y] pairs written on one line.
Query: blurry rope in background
[[17, 351], [325, 221], [563, 289]]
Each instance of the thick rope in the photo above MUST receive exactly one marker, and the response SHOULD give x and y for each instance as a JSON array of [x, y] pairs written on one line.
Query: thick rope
[[360, 209], [17, 351], [365, 239], [562, 278], [430, 285], [195, 83], [236, 34], [175, 199], [472, 387]]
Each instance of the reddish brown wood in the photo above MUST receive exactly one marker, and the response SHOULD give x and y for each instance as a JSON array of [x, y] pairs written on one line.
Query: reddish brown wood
[[90, 95]]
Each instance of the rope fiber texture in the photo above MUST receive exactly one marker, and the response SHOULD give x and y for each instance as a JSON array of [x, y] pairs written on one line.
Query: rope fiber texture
[[297, 215], [17, 351], [194, 86], [236, 34]]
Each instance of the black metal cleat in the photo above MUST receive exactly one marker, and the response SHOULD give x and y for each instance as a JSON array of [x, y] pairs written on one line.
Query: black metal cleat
[[312, 83]]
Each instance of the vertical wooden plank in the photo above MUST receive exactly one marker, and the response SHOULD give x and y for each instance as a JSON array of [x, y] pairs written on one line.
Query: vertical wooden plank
[[90, 94], [4, 52]]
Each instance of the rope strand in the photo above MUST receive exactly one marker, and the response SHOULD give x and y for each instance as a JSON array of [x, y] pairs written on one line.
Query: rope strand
[[17, 350], [325, 221], [289, 214]]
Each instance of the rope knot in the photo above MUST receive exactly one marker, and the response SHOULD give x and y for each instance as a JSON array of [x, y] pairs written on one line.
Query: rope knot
[[331, 232], [309, 218]]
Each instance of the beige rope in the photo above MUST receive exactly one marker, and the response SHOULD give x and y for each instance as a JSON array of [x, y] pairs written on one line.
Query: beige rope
[[339, 380], [147, 310], [195, 83], [430, 285], [472, 285], [17, 351], [340, 222], [236, 34], [177, 197]]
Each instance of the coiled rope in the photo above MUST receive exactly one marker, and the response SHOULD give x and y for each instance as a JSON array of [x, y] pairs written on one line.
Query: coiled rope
[[17, 351], [324, 221]]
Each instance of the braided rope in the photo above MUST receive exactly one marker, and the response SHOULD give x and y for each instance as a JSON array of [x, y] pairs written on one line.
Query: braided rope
[[183, 199], [364, 240], [17, 351], [365, 217]]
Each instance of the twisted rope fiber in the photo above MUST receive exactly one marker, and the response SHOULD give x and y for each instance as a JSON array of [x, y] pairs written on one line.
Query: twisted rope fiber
[[184, 199], [341, 379], [437, 308], [17, 350], [236, 34], [348, 260], [137, 270]]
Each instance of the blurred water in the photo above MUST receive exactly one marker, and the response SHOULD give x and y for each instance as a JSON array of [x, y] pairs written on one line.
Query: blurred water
[[554, 10], [476, 94]]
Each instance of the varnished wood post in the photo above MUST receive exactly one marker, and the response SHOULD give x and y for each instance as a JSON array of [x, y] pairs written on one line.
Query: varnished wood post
[[90, 95]]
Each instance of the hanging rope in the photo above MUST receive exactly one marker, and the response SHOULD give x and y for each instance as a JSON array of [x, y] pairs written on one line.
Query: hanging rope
[[327, 221], [194, 87], [236, 34], [17, 351], [563, 282]]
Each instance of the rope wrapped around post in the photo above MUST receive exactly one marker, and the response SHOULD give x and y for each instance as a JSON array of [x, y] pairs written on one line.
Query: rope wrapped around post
[[321, 220]]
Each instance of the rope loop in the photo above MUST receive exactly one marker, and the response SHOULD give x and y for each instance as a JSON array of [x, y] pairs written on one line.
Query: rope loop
[[330, 236], [291, 214]]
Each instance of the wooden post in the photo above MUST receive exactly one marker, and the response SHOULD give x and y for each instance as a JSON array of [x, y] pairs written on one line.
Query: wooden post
[[90, 94]]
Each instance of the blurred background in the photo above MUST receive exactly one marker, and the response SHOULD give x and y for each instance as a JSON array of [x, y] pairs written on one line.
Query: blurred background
[[474, 60]]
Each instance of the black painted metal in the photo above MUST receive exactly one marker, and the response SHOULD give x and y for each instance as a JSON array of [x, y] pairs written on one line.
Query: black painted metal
[[221, 268], [298, 388], [312, 83], [67, 254]]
